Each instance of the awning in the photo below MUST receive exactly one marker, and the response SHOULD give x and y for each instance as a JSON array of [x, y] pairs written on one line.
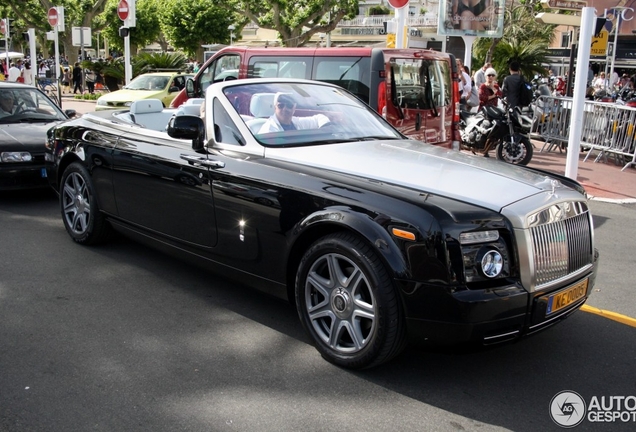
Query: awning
[[12, 55]]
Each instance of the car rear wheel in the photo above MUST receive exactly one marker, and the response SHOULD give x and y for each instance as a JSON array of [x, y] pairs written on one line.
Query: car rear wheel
[[80, 213], [348, 304]]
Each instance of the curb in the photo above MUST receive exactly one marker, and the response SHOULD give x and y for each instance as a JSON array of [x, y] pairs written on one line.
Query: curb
[[613, 200], [623, 319]]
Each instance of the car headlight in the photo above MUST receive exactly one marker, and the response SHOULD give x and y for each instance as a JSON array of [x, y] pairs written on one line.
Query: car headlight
[[16, 157], [485, 256], [491, 262], [128, 103], [101, 102]]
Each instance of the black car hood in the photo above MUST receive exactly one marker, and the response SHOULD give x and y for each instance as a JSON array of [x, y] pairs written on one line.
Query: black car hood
[[24, 136]]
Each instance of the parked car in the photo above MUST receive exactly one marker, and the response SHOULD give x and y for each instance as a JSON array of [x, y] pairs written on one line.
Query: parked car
[[26, 113], [157, 85], [374, 237]]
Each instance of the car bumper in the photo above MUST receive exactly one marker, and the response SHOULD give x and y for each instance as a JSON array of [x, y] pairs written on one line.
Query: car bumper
[[20, 176], [494, 315]]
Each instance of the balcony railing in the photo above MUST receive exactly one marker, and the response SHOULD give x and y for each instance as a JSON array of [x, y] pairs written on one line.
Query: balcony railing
[[429, 20], [378, 21]]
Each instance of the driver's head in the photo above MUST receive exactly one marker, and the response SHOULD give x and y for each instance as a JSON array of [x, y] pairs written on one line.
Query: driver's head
[[284, 107], [6, 100]]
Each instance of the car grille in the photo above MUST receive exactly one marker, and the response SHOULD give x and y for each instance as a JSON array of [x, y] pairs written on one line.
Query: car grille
[[561, 241]]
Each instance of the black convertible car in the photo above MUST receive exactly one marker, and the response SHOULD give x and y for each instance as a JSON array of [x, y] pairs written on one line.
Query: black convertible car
[[25, 115], [301, 190]]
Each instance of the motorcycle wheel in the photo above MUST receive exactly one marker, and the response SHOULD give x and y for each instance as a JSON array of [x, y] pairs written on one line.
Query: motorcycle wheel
[[519, 153]]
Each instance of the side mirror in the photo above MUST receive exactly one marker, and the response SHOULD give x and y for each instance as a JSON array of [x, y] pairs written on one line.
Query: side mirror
[[188, 127], [70, 113], [190, 88]]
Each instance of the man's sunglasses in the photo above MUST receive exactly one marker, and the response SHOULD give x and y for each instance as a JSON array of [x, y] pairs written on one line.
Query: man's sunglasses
[[282, 105]]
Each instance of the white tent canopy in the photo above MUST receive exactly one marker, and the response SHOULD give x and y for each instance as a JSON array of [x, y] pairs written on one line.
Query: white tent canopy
[[12, 55]]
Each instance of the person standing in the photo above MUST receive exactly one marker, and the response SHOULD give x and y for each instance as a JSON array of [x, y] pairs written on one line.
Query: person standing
[[15, 72], [613, 80], [90, 80], [43, 69], [512, 85], [465, 85], [77, 78], [480, 75], [489, 92], [27, 73], [67, 77]]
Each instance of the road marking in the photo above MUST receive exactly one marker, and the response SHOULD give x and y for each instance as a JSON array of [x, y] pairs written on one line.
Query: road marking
[[623, 319]]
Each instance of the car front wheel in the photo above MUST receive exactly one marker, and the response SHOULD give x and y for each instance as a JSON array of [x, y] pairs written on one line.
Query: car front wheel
[[80, 213], [348, 304]]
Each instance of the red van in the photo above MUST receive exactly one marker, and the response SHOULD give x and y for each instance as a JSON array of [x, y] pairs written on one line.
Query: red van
[[414, 89]]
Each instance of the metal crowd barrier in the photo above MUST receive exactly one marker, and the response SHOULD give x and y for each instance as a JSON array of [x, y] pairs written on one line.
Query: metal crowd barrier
[[608, 128]]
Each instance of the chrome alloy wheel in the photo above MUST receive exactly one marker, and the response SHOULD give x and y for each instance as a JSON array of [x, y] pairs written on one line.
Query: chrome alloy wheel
[[340, 304], [76, 203]]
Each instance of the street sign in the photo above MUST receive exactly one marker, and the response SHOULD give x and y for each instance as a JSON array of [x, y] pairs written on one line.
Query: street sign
[[599, 44], [398, 4], [122, 10], [52, 16], [3, 29], [572, 5], [558, 19]]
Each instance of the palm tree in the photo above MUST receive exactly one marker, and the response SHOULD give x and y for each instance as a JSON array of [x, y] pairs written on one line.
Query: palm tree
[[529, 53], [524, 40]]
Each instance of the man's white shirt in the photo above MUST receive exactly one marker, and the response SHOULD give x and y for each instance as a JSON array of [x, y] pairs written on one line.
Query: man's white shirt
[[313, 122]]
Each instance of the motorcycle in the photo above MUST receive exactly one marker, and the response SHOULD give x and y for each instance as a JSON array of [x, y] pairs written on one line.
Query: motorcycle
[[505, 130]]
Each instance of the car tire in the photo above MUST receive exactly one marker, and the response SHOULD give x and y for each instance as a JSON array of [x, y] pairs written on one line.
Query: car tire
[[81, 215], [348, 304]]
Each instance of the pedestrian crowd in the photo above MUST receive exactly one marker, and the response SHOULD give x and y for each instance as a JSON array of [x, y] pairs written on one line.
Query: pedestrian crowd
[[72, 77]]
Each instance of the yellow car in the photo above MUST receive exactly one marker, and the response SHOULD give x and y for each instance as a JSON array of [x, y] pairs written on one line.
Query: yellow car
[[157, 85]]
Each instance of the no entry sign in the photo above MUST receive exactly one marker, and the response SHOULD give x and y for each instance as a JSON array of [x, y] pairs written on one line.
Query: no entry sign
[[398, 4], [52, 15], [122, 10]]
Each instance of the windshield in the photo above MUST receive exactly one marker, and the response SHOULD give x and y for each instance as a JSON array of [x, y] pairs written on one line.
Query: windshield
[[148, 82], [27, 104], [295, 114]]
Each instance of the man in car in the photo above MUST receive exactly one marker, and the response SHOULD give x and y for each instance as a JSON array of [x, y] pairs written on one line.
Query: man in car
[[283, 118], [7, 103]]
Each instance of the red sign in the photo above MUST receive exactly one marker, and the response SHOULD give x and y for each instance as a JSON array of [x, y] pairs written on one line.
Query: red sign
[[3, 29], [398, 4], [52, 15], [122, 10]]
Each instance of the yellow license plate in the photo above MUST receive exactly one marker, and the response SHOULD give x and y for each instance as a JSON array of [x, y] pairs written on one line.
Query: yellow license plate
[[566, 297]]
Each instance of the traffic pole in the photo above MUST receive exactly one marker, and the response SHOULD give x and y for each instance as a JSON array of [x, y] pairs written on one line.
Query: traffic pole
[[588, 21]]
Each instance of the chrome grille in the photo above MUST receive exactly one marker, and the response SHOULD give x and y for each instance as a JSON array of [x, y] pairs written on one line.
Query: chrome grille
[[561, 241]]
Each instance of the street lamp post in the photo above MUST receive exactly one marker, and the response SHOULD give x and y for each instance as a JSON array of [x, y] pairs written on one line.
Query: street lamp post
[[231, 28], [618, 11]]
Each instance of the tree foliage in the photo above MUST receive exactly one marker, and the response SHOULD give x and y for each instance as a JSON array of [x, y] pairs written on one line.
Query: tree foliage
[[524, 40], [297, 21], [190, 24], [147, 26]]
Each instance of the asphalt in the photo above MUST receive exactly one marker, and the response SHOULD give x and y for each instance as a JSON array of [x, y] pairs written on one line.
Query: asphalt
[[604, 180]]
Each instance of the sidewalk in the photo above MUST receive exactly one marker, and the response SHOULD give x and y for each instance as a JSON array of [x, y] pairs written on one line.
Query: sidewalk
[[603, 181]]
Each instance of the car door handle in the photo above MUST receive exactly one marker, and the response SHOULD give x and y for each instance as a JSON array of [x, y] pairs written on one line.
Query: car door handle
[[199, 160]]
